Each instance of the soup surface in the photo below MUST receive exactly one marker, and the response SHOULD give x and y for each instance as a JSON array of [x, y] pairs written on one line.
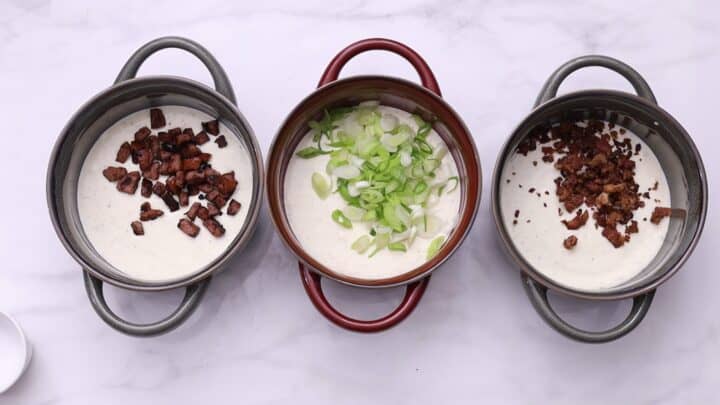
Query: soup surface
[[310, 216], [538, 233]]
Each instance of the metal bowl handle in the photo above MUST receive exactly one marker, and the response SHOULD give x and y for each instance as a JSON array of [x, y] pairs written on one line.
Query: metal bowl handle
[[222, 83], [427, 78], [413, 294], [537, 294], [193, 295], [551, 86]]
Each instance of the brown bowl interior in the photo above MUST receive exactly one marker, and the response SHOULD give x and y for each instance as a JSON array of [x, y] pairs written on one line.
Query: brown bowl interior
[[393, 92]]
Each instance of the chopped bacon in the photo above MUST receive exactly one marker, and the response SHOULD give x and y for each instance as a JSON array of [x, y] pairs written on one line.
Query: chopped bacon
[[170, 201], [194, 177], [184, 198], [215, 228], [233, 207], [191, 164], [150, 214], [227, 184], [146, 188], [211, 127], [153, 173], [185, 137], [144, 159], [142, 134], [203, 213], [157, 118], [114, 173], [611, 234], [129, 183], [123, 153], [137, 228], [188, 227], [221, 141], [201, 138], [213, 210], [192, 212], [159, 188], [189, 151]]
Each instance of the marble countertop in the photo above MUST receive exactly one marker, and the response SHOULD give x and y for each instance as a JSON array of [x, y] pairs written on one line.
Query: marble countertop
[[256, 338]]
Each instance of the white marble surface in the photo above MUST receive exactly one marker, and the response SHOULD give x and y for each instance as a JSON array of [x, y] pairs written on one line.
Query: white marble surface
[[256, 338]]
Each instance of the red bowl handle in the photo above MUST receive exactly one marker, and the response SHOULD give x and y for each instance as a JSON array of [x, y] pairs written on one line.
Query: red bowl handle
[[427, 78], [413, 294]]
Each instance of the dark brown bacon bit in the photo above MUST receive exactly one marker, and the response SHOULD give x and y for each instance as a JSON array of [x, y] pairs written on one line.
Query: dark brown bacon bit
[[188, 227], [153, 173], [189, 151], [185, 137], [191, 164], [517, 213], [632, 228], [146, 188], [659, 213], [144, 158], [195, 178], [201, 138], [129, 183], [137, 228], [142, 134], [150, 214], [172, 186], [184, 198], [203, 213], [123, 153], [114, 173], [145, 206], [214, 227], [170, 201], [192, 212], [221, 141], [570, 242], [213, 210], [174, 132], [205, 157], [157, 118], [159, 188], [211, 127], [227, 184], [233, 207]]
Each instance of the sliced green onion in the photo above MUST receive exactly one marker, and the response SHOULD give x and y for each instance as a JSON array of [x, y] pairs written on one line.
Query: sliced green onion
[[435, 246], [362, 244], [354, 213], [341, 219], [456, 182], [381, 241], [397, 247], [310, 152], [320, 185]]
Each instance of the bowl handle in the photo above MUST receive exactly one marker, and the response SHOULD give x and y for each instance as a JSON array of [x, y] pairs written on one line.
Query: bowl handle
[[193, 295], [311, 282], [427, 78], [537, 294], [222, 83], [551, 86]]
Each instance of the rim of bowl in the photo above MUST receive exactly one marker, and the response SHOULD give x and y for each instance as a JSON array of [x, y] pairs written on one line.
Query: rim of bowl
[[459, 233], [26, 352], [218, 262], [549, 283]]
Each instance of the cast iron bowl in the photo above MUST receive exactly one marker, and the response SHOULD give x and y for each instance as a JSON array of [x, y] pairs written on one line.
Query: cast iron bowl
[[125, 97], [678, 157], [424, 101]]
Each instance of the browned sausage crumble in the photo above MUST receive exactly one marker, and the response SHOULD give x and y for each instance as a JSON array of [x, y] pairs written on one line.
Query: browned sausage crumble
[[596, 169]]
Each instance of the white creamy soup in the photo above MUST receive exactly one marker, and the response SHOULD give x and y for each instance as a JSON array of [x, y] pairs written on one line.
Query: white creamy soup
[[594, 263], [330, 244], [164, 252]]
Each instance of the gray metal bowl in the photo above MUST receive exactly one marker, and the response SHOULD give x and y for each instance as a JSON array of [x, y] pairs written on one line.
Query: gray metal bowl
[[678, 157], [125, 97]]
